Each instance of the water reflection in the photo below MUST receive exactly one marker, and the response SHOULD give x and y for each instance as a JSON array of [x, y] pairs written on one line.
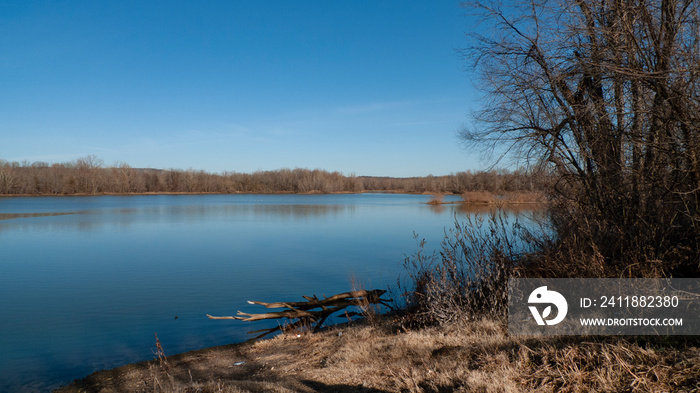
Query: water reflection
[[529, 211], [108, 272], [92, 220], [10, 216], [510, 208]]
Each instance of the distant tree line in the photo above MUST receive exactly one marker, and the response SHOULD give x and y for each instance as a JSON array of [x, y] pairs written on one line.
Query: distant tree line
[[89, 175]]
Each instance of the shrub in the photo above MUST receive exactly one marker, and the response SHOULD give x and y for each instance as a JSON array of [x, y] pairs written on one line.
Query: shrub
[[478, 197], [468, 277]]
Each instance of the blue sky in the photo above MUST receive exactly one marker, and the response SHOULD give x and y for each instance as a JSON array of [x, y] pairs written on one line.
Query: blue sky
[[364, 87]]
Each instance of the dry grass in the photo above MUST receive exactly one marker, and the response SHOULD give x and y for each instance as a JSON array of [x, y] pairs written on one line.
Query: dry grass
[[611, 364], [531, 197], [458, 357], [436, 199], [466, 278], [478, 197], [515, 197]]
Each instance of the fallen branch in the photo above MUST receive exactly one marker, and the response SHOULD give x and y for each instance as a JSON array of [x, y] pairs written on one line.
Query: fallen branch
[[306, 312]]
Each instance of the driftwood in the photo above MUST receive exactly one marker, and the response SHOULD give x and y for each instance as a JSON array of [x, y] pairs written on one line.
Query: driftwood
[[313, 311]]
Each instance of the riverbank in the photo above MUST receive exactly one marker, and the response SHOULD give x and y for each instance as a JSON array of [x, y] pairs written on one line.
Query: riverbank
[[465, 357]]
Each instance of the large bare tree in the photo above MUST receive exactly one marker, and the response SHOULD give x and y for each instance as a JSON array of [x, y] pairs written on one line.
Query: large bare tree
[[607, 93]]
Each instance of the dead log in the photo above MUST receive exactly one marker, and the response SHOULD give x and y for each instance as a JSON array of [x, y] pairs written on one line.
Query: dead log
[[313, 311], [313, 302]]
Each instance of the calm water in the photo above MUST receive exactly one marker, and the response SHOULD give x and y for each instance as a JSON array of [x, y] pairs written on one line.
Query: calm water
[[85, 282]]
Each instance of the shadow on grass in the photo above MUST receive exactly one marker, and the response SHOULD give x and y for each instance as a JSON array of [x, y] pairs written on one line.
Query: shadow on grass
[[322, 388]]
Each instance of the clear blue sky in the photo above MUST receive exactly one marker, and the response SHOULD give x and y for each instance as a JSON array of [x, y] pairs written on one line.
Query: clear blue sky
[[364, 87]]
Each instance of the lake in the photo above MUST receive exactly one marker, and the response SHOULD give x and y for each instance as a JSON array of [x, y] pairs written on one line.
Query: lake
[[86, 282]]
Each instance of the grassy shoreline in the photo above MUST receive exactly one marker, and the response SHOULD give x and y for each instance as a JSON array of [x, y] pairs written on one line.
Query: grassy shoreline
[[466, 357]]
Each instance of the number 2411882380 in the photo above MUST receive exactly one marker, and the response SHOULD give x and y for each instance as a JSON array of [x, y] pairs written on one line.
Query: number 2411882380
[[649, 301]]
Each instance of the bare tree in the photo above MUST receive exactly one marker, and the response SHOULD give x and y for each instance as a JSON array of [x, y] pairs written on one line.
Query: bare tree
[[608, 94], [8, 178], [89, 173]]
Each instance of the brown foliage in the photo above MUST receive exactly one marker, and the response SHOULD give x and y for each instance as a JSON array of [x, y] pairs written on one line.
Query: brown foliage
[[605, 93], [468, 277], [478, 197], [89, 176]]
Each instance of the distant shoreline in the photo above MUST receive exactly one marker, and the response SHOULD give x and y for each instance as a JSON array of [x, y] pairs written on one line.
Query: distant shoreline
[[88, 176], [82, 194], [486, 200]]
